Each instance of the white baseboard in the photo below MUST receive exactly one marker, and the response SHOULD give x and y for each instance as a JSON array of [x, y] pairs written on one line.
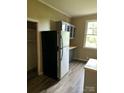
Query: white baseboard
[[80, 59]]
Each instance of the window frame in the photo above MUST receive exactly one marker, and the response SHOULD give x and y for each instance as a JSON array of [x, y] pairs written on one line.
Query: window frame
[[85, 34]]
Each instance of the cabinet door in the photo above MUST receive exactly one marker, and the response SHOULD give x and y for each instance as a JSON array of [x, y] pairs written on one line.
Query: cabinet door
[[72, 33]]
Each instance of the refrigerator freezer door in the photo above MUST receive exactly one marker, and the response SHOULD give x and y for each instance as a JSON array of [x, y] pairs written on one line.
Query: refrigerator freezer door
[[49, 53], [64, 64], [65, 38]]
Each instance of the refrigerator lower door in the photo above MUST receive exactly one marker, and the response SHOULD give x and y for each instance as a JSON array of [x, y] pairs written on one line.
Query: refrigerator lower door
[[64, 63]]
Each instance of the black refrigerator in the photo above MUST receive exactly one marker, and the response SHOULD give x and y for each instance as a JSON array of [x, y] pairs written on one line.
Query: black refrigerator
[[55, 53]]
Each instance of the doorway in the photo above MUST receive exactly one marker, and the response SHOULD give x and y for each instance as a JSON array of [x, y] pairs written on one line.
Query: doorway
[[32, 64]]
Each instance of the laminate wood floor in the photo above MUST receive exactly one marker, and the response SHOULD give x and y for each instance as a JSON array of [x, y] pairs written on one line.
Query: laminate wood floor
[[72, 82]]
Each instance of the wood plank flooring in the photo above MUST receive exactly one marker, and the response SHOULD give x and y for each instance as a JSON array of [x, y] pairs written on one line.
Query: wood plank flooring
[[72, 82]]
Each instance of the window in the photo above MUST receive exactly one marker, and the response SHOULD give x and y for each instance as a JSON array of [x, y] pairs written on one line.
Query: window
[[91, 34]]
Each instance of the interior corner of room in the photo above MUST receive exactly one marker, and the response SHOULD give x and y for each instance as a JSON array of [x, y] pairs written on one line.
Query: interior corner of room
[[43, 17]]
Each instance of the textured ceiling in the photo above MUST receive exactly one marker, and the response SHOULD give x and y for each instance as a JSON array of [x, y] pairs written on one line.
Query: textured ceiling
[[73, 8]]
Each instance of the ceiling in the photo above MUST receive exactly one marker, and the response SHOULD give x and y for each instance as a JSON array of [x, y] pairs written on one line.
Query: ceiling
[[73, 8]]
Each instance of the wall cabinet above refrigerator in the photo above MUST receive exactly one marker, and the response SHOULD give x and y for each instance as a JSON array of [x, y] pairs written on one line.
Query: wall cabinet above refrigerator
[[65, 26]]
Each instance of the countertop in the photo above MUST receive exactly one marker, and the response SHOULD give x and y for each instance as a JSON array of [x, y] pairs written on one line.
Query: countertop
[[72, 47], [91, 64]]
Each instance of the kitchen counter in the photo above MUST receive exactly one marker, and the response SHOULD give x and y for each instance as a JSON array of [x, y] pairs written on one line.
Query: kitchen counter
[[72, 47], [91, 64], [90, 80], [71, 52]]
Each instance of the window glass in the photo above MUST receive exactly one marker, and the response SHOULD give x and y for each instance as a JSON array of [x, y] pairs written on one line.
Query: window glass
[[91, 35]]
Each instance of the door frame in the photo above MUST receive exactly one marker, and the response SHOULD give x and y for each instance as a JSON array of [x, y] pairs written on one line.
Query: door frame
[[39, 70]]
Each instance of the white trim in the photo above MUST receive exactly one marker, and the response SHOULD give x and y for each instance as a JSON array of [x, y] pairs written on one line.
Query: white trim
[[80, 59], [51, 6], [84, 42], [33, 20], [39, 63], [90, 48]]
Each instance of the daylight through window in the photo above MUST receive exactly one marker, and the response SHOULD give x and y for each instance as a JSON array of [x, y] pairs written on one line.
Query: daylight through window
[[91, 34]]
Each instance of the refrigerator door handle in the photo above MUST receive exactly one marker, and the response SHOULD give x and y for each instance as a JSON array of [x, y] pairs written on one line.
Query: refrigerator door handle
[[61, 48]]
